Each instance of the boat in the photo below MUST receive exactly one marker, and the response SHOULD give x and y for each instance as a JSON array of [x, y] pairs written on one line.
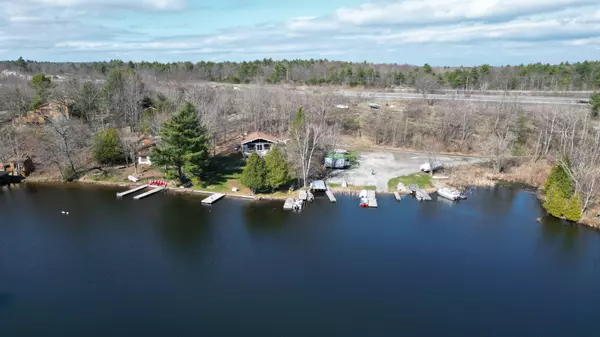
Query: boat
[[364, 199], [450, 193]]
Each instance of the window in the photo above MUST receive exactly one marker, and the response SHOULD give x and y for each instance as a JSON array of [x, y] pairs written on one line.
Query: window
[[267, 147], [259, 147]]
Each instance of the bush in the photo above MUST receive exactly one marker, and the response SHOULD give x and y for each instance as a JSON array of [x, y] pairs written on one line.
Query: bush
[[106, 147]]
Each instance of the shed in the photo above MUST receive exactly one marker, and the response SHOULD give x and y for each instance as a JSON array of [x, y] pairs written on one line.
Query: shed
[[318, 185]]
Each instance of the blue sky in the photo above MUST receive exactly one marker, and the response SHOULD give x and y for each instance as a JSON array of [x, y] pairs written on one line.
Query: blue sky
[[439, 32]]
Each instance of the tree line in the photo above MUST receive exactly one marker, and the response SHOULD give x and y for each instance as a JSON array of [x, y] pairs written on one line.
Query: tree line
[[536, 76]]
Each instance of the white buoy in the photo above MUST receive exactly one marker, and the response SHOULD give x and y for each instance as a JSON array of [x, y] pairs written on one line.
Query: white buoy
[[63, 212]]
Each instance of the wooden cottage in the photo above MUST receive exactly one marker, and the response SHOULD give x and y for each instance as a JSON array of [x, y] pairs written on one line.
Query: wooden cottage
[[259, 143]]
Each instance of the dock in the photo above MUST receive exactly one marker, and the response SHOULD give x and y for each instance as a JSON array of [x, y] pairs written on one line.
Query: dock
[[371, 196], [413, 188], [213, 198], [139, 188], [330, 196], [149, 193], [397, 196], [422, 195]]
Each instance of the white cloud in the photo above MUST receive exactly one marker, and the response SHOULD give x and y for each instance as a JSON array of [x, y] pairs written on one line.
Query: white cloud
[[133, 4]]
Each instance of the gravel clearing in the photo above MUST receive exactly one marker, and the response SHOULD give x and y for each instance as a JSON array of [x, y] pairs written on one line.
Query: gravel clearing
[[390, 164]]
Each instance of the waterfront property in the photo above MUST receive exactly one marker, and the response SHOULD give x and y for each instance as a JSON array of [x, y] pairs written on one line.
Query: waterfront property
[[259, 143]]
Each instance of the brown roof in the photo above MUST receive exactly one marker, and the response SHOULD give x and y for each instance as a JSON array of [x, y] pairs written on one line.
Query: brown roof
[[259, 135]]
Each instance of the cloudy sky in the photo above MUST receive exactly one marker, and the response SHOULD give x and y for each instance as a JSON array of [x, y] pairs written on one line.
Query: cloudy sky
[[440, 32]]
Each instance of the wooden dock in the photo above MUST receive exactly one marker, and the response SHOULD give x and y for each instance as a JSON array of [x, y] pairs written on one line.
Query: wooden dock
[[139, 188], [213, 198], [413, 188], [397, 196], [149, 193], [330, 196]]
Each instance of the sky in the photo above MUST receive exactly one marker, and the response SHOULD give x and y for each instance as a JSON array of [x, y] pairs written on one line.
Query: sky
[[438, 32]]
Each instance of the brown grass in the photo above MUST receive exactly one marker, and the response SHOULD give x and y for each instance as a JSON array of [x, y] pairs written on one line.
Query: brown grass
[[529, 173]]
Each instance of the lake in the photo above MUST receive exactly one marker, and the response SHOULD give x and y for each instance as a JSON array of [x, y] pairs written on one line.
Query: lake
[[168, 266]]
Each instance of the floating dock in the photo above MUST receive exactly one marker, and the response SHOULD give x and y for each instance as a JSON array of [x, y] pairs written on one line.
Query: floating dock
[[397, 196], [213, 198], [371, 196], [139, 188], [149, 193], [330, 196]]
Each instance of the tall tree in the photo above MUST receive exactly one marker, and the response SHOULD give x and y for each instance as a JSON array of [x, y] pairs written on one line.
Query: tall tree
[[184, 145], [42, 85], [106, 147], [595, 104], [254, 175], [277, 168]]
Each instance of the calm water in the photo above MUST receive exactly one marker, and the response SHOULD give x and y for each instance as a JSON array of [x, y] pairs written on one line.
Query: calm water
[[167, 266]]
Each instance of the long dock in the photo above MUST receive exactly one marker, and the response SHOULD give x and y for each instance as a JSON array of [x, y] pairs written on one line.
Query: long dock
[[213, 198], [330, 196], [149, 193], [397, 196], [139, 188]]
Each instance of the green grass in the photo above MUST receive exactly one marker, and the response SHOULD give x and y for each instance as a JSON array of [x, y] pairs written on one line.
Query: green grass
[[421, 179]]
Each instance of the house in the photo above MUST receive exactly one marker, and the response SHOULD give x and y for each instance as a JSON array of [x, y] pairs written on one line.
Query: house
[[52, 110], [147, 144], [259, 143], [12, 167]]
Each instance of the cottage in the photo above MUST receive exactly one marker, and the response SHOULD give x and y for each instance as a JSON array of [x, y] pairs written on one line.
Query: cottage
[[53, 110], [259, 143], [147, 144]]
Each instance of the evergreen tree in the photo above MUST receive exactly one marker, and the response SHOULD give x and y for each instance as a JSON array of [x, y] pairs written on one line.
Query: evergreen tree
[[277, 168], [254, 175], [522, 136], [573, 208], [560, 179], [555, 204], [106, 147], [184, 145], [595, 103], [42, 85]]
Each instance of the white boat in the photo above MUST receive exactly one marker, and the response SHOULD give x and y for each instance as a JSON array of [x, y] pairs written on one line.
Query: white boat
[[450, 193], [364, 199]]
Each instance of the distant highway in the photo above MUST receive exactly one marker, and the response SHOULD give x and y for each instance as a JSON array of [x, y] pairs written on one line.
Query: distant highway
[[388, 96]]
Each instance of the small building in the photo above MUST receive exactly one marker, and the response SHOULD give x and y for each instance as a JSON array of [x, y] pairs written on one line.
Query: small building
[[147, 144], [16, 168], [52, 110], [318, 186], [259, 143]]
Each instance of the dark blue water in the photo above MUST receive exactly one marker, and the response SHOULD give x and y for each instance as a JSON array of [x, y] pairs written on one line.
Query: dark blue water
[[167, 266]]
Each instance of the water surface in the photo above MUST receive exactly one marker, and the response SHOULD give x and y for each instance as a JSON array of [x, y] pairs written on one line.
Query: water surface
[[168, 266]]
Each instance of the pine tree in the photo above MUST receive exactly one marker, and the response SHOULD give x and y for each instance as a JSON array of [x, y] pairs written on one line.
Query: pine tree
[[184, 145], [254, 175], [42, 85], [573, 208], [106, 147], [277, 168], [555, 204], [560, 179]]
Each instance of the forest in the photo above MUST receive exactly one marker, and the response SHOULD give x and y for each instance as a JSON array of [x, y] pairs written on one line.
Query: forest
[[537, 76]]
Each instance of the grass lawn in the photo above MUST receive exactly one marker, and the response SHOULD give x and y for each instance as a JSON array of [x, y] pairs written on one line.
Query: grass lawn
[[423, 180]]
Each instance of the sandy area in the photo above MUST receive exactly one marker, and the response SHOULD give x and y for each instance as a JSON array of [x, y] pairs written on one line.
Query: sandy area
[[388, 164]]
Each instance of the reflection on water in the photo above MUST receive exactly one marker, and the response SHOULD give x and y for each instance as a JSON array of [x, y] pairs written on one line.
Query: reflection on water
[[167, 265]]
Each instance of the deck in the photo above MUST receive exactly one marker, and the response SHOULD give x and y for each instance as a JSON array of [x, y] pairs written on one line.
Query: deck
[[139, 188], [149, 193], [372, 197], [213, 198]]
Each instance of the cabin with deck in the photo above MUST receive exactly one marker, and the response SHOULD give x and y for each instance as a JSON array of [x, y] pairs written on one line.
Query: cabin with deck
[[259, 143]]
